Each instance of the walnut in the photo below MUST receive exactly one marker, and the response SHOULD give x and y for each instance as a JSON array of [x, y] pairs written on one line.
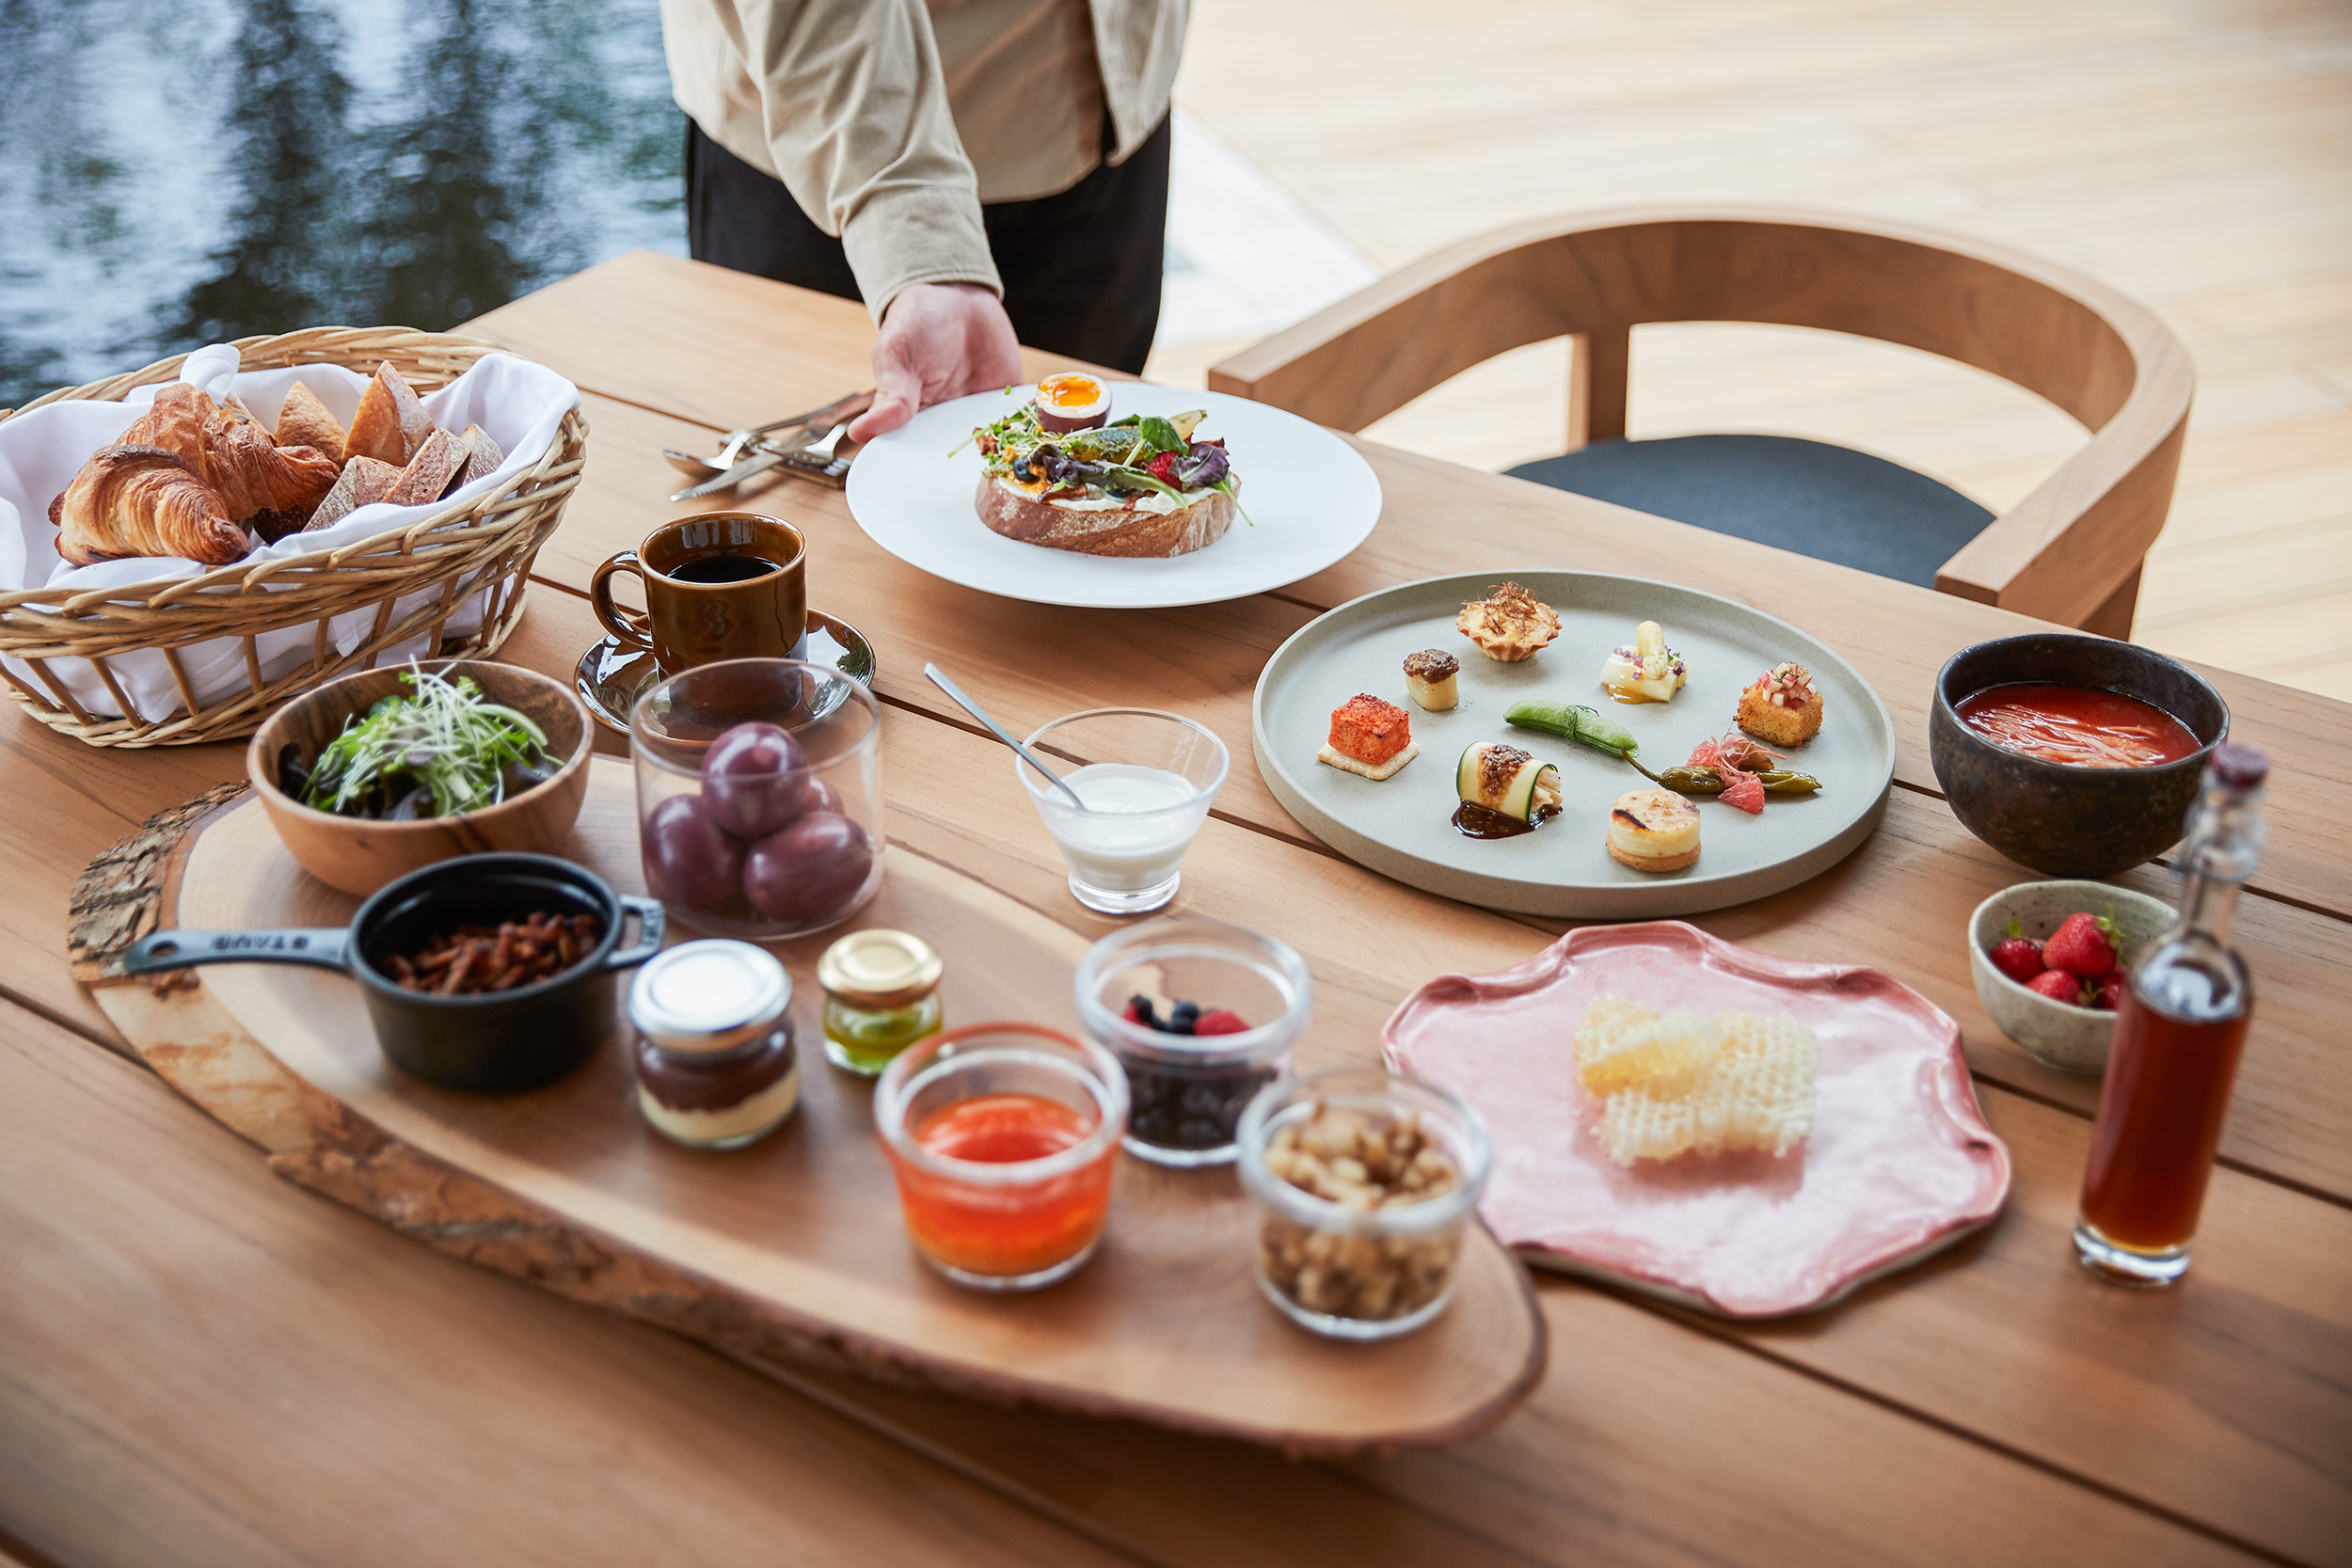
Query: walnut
[[1363, 1163]]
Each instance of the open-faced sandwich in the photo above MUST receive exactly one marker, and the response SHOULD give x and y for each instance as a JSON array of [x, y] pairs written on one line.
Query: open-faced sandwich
[[1058, 471]]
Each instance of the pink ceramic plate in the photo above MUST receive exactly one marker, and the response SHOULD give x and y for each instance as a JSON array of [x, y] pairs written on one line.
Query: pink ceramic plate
[[1899, 1164]]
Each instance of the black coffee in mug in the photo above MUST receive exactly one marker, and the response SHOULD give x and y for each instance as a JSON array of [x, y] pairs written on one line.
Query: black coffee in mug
[[723, 568]]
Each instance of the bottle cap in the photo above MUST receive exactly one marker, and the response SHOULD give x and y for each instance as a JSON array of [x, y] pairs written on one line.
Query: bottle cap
[[2233, 766], [708, 998], [880, 969]]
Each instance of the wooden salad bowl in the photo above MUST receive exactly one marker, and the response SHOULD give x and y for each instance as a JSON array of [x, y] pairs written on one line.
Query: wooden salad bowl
[[357, 855]]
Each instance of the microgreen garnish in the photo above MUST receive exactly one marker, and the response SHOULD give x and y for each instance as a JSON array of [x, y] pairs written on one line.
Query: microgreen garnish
[[442, 739]]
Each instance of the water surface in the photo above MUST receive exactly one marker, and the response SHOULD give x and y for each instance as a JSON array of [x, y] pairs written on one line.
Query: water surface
[[174, 174]]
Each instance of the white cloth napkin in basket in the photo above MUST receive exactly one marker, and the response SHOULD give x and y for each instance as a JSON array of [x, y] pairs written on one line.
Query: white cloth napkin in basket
[[520, 404]]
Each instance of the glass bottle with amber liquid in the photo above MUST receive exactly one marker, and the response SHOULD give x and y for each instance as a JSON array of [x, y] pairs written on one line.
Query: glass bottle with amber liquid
[[2178, 1033]]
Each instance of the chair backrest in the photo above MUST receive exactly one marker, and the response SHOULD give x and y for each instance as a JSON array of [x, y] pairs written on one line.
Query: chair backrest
[[2069, 552]]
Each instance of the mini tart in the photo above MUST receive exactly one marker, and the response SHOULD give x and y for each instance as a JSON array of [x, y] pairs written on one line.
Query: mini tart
[[1430, 679], [1782, 708], [1509, 624], [1654, 830]]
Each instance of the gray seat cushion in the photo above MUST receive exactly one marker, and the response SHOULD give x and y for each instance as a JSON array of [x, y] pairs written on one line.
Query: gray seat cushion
[[1817, 500]]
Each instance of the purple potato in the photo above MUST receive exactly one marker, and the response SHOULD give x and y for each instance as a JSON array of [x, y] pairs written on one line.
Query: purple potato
[[808, 871], [689, 862], [752, 779]]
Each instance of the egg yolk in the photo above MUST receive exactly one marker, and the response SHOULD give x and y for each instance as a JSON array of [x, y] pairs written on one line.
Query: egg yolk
[[1069, 391]]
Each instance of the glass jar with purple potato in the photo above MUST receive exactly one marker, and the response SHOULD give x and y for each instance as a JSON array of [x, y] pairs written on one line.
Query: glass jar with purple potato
[[758, 805]]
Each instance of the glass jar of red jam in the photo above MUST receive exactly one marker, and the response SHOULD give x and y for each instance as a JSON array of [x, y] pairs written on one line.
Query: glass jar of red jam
[[1003, 1137], [715, 1063]]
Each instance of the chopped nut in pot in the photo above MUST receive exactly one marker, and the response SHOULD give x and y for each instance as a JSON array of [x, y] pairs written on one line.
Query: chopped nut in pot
[[1367, 1163]]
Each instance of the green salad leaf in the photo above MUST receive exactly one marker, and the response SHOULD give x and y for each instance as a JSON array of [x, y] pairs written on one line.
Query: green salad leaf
[[442, 738]]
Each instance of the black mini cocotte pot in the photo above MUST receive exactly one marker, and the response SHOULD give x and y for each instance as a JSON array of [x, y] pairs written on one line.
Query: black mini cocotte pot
[[490, 1042]]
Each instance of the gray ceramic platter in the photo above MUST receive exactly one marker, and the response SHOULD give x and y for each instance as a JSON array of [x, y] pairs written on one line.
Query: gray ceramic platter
[[1400, 827]]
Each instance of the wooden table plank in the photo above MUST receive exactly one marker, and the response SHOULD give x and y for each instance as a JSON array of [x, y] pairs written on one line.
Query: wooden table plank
[[706, 345], [200, 1363], [1729, 1461], [1905, 913]]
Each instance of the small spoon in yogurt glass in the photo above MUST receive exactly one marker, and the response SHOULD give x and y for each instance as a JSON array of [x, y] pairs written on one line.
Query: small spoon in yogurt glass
[[963, 701]]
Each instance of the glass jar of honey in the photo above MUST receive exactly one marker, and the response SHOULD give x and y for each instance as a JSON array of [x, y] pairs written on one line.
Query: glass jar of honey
[[882, 995]]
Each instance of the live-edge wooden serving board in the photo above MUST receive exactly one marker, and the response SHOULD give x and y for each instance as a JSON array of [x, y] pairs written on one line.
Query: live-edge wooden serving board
[[793, 1248]]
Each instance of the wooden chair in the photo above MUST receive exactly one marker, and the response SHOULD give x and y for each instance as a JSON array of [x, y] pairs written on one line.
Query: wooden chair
[[2069, 552]]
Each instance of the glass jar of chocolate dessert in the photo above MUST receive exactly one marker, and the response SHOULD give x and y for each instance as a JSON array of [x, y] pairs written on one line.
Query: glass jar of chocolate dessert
[[882, 995], [716, 1067]]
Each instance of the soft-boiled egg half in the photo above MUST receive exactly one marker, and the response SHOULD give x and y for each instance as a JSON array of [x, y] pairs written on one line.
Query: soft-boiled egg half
[[1071, 400]]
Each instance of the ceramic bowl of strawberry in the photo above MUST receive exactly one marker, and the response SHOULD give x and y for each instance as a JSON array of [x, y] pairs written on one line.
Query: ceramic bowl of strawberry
[[2045, 960]]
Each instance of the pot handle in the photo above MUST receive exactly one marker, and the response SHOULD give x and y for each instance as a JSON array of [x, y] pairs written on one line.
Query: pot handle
[[322, 946], [651, 918]]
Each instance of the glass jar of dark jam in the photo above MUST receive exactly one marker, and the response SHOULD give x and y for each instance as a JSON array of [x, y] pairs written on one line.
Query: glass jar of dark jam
[[716, 1065]]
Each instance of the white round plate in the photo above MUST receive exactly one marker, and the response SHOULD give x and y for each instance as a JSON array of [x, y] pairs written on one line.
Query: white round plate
[[1402, 826], [1309, 497]]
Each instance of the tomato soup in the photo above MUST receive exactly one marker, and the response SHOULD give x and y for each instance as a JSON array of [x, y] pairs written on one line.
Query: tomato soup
[[2078, 725]]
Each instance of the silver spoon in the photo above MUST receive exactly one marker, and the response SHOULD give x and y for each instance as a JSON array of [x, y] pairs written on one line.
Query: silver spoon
[[956, 693]]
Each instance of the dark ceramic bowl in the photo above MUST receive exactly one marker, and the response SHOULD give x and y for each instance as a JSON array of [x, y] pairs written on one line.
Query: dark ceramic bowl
[[488, 1042], [2058, 820]]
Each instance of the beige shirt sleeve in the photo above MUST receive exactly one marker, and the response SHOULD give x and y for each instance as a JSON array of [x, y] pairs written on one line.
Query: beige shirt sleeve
[[853, 109]]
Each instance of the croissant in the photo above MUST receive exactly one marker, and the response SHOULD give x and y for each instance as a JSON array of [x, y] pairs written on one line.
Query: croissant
[[234, 456], [144, 501]]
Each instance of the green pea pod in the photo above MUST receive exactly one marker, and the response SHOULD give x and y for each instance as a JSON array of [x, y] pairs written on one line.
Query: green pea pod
[[1573, 721]]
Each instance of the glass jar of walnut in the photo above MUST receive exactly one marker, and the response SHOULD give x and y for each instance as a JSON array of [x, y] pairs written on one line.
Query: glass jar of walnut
[[1363, 1182]]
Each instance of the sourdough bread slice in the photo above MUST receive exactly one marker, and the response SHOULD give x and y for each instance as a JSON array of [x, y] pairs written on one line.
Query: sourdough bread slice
[[1099, 530]]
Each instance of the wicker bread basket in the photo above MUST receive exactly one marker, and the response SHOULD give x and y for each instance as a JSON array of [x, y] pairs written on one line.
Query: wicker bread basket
[[490, 541]]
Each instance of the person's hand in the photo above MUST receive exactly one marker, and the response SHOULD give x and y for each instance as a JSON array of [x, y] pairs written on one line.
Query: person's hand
[[938, 340]]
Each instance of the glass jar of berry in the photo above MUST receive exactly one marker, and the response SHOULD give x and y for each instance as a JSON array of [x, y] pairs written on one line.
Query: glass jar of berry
[[1201, 1015]]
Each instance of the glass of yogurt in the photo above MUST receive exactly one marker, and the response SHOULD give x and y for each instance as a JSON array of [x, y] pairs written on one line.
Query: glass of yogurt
[[1147, 779]]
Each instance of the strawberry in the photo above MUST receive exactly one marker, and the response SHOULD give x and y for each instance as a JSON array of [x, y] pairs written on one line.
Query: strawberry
[[2084, 945], [2017, 956], [2059, 986], [2111, 991], [1163, 468], [1219, 1021]]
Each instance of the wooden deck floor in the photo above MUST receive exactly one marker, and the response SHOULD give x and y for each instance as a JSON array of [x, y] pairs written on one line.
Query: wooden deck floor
[[2197, 153]]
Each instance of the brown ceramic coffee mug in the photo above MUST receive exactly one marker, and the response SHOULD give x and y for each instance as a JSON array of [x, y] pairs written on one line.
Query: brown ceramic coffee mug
[[718, 585]]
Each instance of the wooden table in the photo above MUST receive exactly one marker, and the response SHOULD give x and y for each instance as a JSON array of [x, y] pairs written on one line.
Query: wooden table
[[200, 1362]]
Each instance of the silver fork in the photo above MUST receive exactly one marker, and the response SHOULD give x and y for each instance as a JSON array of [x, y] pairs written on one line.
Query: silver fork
[[732, 444], [815, 456]]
